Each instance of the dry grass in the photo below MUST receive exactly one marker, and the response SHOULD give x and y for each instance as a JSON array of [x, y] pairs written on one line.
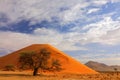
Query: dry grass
[[5, 75]]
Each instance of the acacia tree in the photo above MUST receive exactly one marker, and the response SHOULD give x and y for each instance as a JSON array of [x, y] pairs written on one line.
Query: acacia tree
[[35, 60], [56, 66]]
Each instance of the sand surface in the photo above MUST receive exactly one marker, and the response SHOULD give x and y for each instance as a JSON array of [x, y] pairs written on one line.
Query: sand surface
[[68, 64], [5, 75]]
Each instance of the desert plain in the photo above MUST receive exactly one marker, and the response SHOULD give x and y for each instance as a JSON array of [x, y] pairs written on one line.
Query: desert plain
[[15, 75]]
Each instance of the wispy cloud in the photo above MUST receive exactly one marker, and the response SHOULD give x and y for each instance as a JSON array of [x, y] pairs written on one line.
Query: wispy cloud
[[39, 10], [93, 10], [40, 35], [72, 24], [103, 31], [110, 59]]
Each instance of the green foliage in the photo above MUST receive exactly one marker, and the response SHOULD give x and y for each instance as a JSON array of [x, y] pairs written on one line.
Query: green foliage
[[43, 57], [38, 60], [34, 60], [56, 66], [26, 60], [9, 67]]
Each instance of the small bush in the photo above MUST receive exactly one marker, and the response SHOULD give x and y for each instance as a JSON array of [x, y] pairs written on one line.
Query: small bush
[[9, 67]]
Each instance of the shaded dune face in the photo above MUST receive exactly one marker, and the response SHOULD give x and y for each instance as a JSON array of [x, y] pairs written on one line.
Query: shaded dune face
[[68, 64]]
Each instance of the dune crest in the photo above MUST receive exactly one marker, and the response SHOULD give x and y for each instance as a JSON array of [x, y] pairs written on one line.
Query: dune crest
[[69, 64]]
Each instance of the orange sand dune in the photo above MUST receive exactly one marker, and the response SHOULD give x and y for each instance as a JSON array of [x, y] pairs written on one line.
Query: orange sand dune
[[69, 64]]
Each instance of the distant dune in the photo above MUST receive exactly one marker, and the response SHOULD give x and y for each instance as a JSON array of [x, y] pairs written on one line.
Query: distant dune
[[101, 66], [69, 64]]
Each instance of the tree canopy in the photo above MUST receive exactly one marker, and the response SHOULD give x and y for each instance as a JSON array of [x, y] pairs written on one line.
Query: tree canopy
[[34, 60], [38, 60]]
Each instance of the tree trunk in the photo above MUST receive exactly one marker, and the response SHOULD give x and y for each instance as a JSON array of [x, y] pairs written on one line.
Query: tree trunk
[[35, 71]]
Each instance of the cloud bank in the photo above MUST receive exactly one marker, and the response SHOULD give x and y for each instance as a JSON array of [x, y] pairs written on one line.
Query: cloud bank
[[78, 23]]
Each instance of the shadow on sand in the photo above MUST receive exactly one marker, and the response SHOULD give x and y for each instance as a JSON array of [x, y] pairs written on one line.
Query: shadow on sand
[[14, 74]]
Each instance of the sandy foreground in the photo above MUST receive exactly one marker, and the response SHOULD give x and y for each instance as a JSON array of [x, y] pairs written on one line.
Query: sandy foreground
[[9, 75]]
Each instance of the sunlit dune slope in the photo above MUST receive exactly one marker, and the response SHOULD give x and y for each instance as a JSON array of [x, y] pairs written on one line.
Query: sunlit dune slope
[[69, 64]]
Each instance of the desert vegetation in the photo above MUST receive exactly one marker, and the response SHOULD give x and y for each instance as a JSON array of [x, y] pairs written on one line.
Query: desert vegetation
[[9, 67], [39, 61], [48, 63], [6, 75]]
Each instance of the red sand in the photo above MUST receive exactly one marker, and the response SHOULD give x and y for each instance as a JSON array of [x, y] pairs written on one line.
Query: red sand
[[69, 64]]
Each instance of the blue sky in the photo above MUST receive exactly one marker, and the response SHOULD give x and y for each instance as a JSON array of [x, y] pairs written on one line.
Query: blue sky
[[85, 29]]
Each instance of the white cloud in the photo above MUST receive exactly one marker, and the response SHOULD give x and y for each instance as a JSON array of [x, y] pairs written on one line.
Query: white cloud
[[111, 38], [98, 2], [74, 13], [35, 11], [12, 41], [100, 32], [80, 11], [39, 10], [110, 59], [114, 1], [93, 10], [105, 31]]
